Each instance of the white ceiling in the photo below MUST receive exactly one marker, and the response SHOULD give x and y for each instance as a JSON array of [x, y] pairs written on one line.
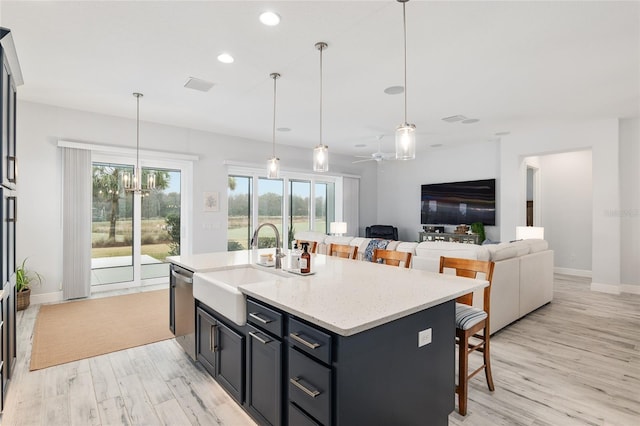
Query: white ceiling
[[500, 62]]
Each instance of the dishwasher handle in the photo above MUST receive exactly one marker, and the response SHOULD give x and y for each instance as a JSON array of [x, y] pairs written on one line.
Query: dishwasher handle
[[181, 277]]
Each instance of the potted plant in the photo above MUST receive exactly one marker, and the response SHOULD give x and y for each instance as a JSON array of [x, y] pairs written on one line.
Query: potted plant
[[24, 280]]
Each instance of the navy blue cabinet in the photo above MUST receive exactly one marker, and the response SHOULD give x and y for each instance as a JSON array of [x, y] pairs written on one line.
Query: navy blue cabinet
[[10, 78]]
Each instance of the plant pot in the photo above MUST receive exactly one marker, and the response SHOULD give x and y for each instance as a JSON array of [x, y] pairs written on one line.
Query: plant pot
[[24, 298]]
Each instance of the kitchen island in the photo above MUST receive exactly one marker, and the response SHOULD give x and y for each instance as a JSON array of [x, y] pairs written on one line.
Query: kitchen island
[[353, 343]]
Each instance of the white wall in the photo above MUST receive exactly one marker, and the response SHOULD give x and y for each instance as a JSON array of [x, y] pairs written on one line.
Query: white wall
[[399, 183], [630, 203], [601, 137], [566, 215], [39, 226]]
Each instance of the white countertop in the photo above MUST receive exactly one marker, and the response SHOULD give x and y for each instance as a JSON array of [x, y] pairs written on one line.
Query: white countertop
[[343, 296]]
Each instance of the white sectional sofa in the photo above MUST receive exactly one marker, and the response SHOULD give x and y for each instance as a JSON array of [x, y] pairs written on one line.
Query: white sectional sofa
[[522, 277]]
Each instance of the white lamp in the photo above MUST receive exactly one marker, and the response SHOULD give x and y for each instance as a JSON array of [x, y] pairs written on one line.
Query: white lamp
[[338, 228], [529, 232]]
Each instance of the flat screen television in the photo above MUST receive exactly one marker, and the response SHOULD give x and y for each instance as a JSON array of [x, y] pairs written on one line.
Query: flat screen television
[[455, 203]]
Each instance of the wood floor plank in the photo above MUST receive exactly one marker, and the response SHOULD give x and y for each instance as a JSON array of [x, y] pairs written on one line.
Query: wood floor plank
[[136, 401], [113, 412], [83, 409], [171, 413], [104, 378]]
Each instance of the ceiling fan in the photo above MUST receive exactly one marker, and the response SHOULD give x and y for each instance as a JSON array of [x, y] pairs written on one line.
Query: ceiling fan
[[377, 156]]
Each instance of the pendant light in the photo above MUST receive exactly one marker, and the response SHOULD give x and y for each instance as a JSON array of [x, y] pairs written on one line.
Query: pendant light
[[273, 164], [321, 152], [133, 183], [405, 133]]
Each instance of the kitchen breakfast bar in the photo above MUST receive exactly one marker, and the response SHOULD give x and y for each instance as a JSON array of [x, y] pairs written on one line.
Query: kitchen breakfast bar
[[351, 343]]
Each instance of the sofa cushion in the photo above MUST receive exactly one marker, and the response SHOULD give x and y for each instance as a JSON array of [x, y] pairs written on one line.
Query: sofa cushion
[[310, 236], [334, 239], [435, 249], [501, 251], [536, 245], [407, 247], [522, 247]]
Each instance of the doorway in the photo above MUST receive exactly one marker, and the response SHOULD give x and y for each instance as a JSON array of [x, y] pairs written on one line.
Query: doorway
[[133, 233]]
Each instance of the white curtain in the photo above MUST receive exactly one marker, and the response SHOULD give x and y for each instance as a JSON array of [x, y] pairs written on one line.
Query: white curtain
[[351, 202], [76, 225]]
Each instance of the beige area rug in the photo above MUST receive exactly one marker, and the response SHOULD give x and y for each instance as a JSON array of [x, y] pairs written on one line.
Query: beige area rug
[[71, 331]]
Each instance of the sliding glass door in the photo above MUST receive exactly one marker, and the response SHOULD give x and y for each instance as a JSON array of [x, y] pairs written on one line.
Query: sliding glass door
[[132, 234]]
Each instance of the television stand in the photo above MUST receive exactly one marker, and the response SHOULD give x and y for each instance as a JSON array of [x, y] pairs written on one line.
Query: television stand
[[450, 237]]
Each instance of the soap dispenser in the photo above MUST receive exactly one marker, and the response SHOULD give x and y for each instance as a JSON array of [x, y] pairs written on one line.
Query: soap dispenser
[[305, 259], [294, 258]]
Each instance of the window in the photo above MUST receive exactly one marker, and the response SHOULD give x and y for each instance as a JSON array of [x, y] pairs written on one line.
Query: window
[[239, 212], [293, 203]]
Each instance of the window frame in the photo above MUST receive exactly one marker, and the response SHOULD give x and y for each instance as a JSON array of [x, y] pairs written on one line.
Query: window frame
[[287, 177]]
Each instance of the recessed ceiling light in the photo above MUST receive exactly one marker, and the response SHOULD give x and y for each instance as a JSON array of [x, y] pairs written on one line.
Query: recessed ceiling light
[[225, 58], [270, 18], [360, 145], [198, 84], [470, 121], [436, 145], [502, 133], [394, 90], [283, 129], [454, 118]]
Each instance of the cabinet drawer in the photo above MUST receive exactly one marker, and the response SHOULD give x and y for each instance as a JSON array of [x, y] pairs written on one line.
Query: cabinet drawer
[[310, 386], [298, 417], [310, 340], [265, 318]]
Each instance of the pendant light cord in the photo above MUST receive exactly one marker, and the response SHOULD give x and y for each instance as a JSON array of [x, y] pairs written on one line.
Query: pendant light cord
[[321, 48], [404, 23], [138, 134], [275, 77]]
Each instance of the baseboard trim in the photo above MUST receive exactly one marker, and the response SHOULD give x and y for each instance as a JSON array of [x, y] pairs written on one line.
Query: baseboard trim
[[575, 272], [630, 288], [38, 299], [605, 288]]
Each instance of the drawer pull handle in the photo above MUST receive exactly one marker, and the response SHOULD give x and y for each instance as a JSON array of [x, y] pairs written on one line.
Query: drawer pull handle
[[212, 338], [297, 338], [256, 316], [296, 382], [258, 338]]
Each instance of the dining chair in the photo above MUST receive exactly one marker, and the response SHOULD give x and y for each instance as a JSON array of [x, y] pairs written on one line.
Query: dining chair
[[312, 245], [470, 321], [342, 250], [391, 257]]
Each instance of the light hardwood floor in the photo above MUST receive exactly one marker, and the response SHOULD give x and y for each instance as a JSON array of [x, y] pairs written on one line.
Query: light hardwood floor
[[575, 361]]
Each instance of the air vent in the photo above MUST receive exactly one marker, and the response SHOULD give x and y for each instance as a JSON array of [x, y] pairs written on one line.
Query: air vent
[[454, 118], [198, 84]]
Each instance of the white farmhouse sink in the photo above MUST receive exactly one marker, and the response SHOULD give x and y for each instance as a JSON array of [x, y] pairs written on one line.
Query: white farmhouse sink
[[219, 289]]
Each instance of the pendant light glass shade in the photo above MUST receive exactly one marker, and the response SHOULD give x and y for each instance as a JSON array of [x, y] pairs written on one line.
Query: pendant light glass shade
[[273, 168], [321, 158], [273, 164], [406, 142], [132, 182], [321, 152], [405, 133]]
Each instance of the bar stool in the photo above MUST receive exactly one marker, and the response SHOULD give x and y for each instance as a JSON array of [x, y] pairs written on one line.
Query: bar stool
[[342, 250], [391, 257], [469, 322]]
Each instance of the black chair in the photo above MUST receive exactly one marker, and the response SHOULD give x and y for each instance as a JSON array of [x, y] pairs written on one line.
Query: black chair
[[385, 232]]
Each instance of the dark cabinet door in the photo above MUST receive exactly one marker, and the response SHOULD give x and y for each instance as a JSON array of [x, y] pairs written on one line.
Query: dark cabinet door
[[229, 361], [206, 340], [264, 395]]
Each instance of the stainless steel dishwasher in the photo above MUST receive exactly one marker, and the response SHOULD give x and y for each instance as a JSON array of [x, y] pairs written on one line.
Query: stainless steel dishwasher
[[182, 309]]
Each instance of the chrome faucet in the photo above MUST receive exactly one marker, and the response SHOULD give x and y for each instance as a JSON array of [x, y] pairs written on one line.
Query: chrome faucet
[[254, 242]]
